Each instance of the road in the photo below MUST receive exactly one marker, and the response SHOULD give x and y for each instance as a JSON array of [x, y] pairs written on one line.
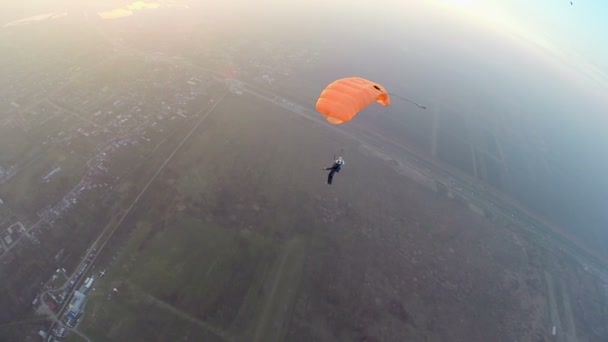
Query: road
[[204, 113], [77, 115], [56, 319], [40, 221]]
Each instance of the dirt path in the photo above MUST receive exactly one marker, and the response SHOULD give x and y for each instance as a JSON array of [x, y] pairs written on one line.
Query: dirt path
[[270, 324], [186, 316]]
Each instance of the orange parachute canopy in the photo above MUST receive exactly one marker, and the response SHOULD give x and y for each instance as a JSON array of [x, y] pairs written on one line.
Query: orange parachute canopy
[[346, 97]]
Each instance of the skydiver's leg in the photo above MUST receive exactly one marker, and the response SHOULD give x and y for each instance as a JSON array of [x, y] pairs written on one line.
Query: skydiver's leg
[[330, 176]]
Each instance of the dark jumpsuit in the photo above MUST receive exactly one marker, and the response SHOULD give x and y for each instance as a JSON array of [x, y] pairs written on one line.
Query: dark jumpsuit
[[334, 168]]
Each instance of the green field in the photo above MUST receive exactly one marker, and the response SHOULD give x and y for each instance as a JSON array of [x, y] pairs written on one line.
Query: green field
[[30, 187], [215, 253]]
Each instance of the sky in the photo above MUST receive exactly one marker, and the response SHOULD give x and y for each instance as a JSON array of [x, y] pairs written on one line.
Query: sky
[[574, 34]]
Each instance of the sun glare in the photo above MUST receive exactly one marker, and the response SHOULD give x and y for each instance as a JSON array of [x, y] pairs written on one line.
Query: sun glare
[[128, 10]]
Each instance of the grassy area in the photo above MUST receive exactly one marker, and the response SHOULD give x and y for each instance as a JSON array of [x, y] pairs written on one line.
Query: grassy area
[[213, 245], [30, 187], [275, 313], [193, 272], [14, 146]]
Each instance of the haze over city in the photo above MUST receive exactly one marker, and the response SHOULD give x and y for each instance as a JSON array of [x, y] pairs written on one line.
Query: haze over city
[[169, 170]]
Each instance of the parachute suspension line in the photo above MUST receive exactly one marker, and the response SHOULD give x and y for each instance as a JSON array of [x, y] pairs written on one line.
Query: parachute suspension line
[[408, 100], [340, 155]]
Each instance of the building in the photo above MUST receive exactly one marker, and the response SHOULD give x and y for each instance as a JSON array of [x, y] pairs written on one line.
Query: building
[[89, 282], [76, 305], [42, 334], [83, 289]]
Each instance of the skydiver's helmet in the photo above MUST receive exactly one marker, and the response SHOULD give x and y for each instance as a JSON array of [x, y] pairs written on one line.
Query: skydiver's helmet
[[340, 161]]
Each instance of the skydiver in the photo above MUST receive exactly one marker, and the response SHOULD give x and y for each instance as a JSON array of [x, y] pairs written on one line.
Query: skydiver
[[333, 169]]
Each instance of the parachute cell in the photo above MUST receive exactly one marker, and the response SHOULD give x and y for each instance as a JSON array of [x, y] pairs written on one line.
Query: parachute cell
[[344, 98]]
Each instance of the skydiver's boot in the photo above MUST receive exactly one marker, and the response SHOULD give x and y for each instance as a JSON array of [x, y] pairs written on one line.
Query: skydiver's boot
[[330, 177]]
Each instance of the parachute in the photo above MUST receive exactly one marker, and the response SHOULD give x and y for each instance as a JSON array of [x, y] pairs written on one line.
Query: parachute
[[343, 99]]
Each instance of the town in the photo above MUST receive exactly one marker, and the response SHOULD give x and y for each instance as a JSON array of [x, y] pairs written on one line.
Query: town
[[79, 132]]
